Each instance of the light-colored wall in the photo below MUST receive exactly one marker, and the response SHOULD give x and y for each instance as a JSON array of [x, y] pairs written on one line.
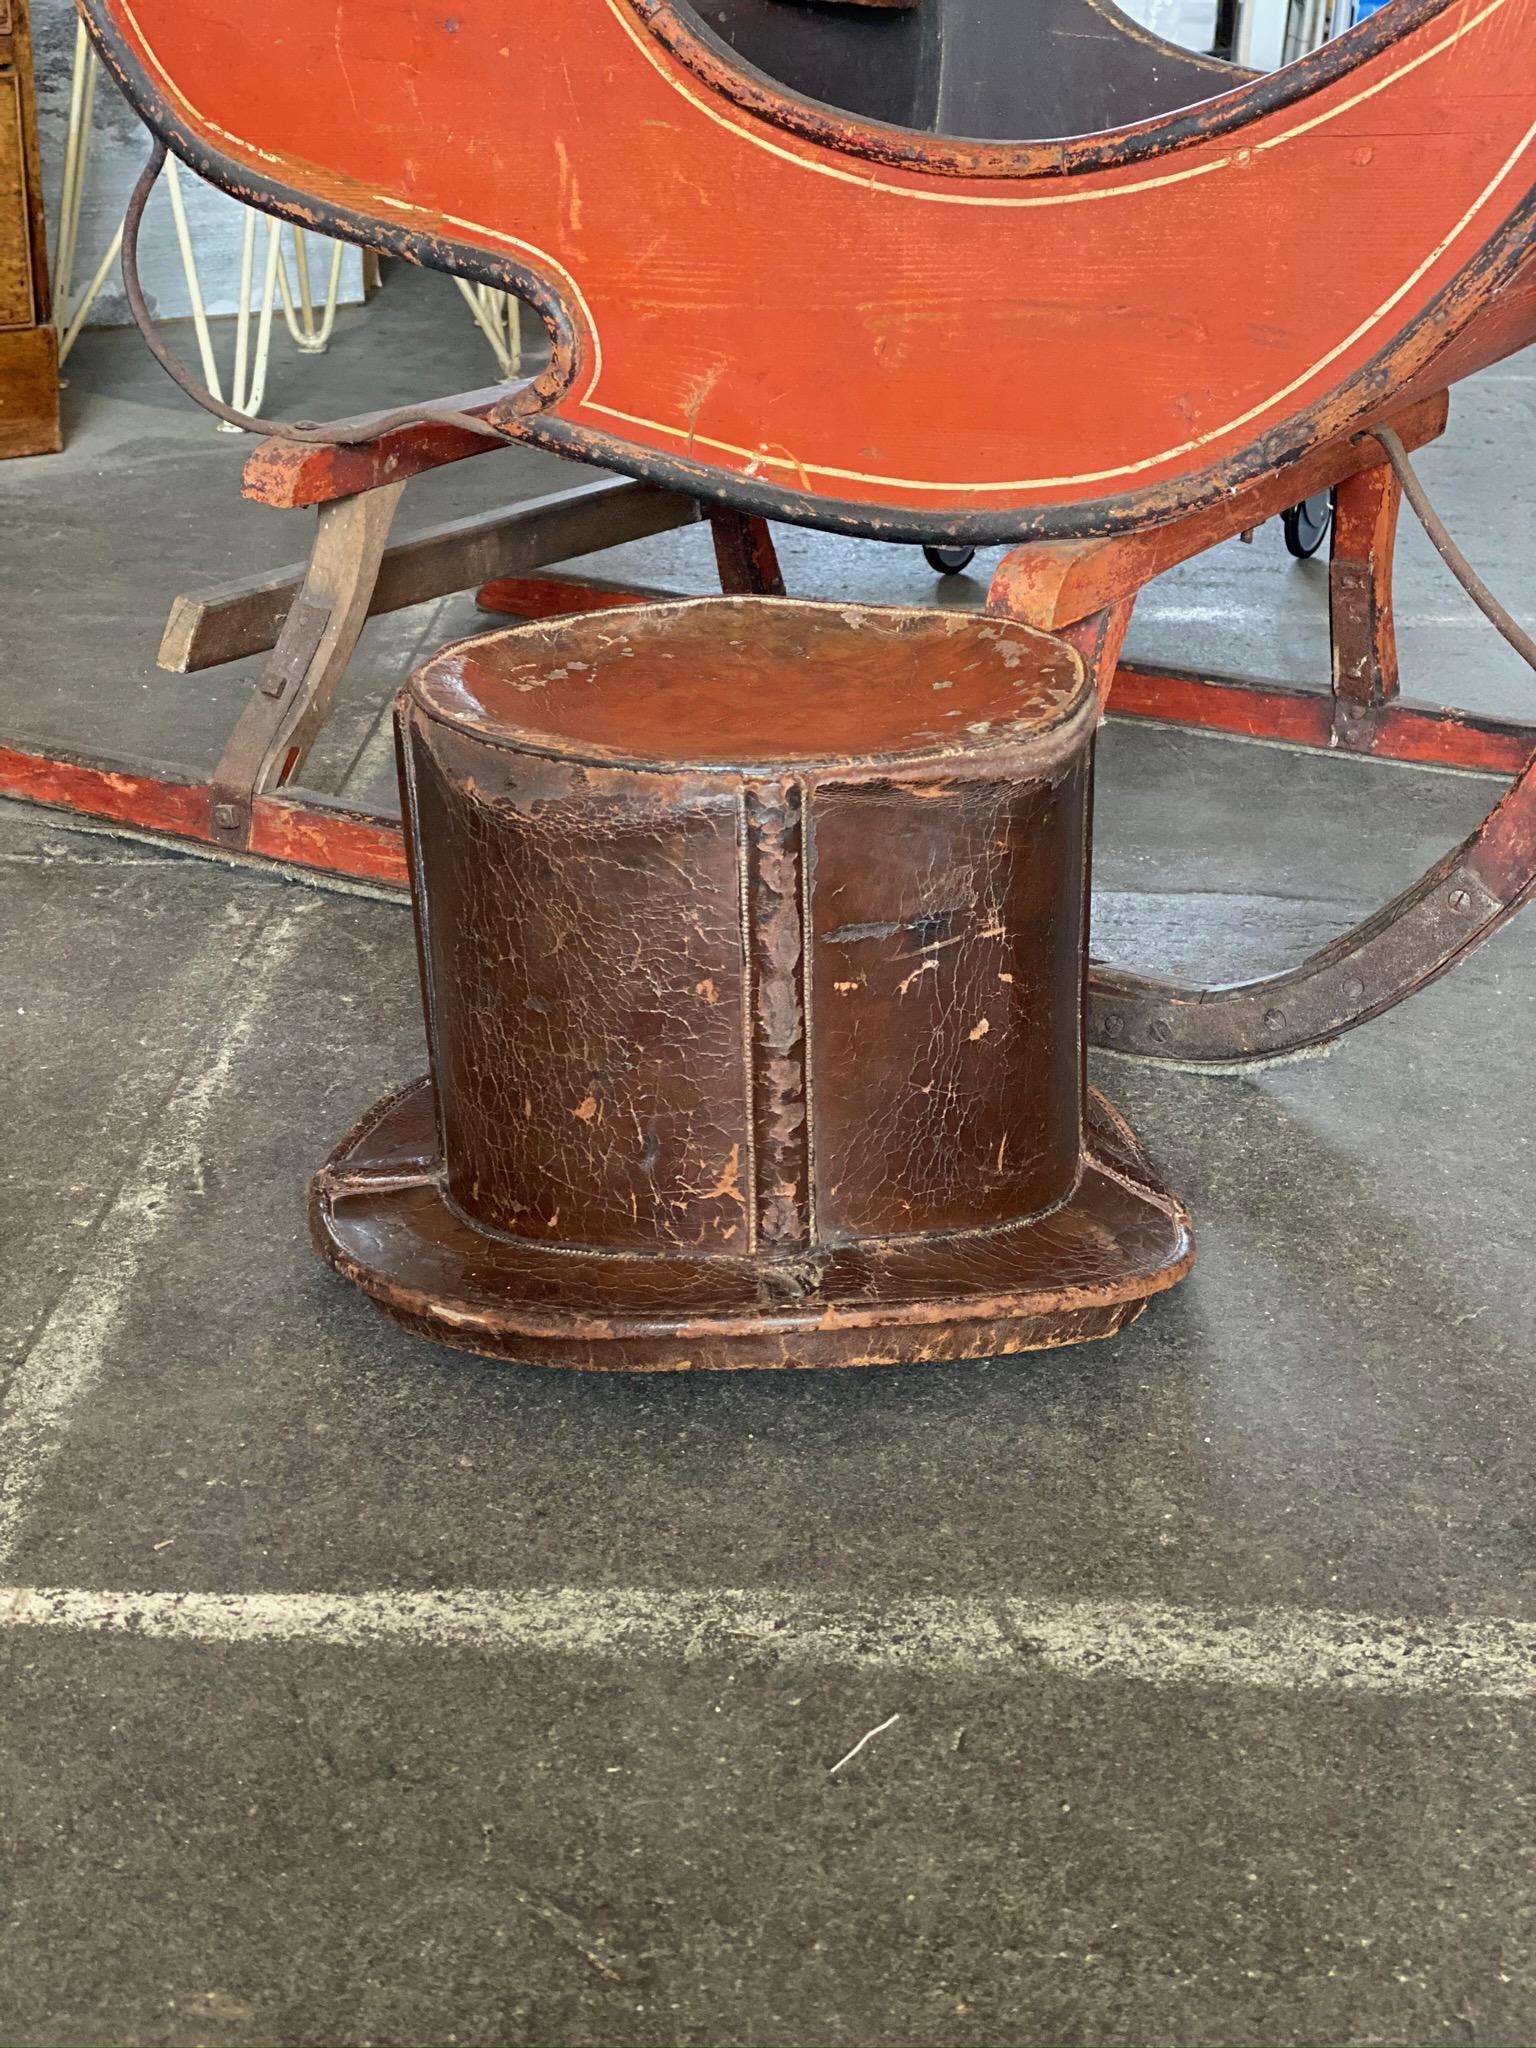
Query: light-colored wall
[[1263, 33], [1191, 23], [118, 148]]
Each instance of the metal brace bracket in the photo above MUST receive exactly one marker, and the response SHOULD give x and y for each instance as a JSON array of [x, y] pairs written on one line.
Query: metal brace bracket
[[243, 770]]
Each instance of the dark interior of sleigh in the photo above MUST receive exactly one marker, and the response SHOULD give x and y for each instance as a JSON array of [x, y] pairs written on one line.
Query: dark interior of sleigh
[[983, 70]]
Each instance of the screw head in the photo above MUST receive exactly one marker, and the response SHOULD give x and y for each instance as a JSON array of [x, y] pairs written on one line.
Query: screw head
[[224, 817], [1162, 1031], [1114, 1025], [1275, 1019], [1458, 899]]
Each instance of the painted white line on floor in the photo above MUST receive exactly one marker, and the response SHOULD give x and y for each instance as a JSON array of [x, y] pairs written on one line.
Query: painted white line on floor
[[1283, 1649], [68, 1350]]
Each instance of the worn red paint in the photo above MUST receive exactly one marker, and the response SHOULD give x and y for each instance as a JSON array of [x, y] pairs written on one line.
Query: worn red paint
[[120, 796], [1422, 733], [1298, 252], [289, 473], [301, 830], [556, 597], [365, 846]]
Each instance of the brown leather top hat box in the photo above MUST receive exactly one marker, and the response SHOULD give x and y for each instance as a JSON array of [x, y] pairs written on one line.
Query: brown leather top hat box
[[752, 940]]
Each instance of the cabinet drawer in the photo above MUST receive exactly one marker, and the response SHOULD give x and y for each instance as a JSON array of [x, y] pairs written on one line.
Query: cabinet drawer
[[16, 299]]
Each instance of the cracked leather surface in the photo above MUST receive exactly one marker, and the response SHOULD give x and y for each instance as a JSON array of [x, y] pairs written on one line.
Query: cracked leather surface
[[583, 954], [770, 1062], [946, 1003], [734, 682], [1079, 1273]]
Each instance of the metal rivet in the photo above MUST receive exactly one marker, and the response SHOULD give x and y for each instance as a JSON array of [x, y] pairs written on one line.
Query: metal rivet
[[1162, 1032], [1354, 990]]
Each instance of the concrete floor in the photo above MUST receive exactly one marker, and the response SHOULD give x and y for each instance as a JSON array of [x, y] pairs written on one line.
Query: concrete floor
[[381, 1694]]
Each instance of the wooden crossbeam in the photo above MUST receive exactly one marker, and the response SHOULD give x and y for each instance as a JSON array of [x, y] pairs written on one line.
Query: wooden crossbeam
[[245, 617]]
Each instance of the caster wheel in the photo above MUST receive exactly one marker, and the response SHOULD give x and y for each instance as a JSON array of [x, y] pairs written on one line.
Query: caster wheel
[[948, 561], [1306, 525]]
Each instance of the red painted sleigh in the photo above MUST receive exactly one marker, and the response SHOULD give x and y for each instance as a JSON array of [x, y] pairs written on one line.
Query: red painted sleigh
[[1112, 348]]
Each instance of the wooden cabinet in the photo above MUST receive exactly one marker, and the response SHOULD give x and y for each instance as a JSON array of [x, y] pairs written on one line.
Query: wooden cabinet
[[29, 369]]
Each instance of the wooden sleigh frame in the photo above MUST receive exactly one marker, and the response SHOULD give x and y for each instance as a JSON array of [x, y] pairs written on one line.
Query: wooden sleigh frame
[[308, 621], [1429, 108]]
